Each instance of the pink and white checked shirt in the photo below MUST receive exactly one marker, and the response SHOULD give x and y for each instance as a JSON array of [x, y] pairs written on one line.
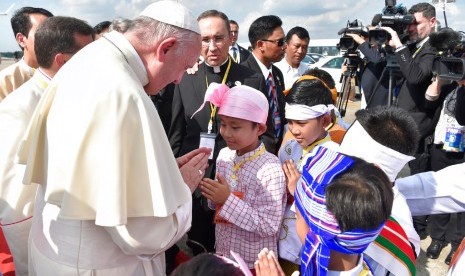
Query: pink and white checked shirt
[[255, 220]]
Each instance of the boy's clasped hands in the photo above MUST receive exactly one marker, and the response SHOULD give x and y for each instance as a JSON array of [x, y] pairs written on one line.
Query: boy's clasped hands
[[216, 191]]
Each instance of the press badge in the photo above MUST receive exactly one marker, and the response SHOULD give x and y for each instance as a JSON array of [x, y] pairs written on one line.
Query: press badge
[[454, 140], [207, 140]]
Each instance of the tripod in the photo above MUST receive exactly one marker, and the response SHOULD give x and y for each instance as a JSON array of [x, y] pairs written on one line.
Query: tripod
[[353, 60], [392, 68]]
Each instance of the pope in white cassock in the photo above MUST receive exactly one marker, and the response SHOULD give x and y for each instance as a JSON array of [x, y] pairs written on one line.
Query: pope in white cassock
[[111, 196]]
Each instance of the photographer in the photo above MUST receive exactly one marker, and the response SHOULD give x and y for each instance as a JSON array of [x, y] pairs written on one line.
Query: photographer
[[416, 62], [371, 73]]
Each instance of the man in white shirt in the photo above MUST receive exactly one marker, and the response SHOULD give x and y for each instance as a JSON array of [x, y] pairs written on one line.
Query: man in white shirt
[[297, 40], [238, 53], [24, 23]]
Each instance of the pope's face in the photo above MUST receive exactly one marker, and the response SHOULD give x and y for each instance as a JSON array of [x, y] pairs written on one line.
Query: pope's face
[[171, 69]]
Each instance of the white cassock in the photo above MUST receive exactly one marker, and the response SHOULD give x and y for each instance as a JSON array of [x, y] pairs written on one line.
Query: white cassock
[[440, 192], [111, 198], [16, 200]]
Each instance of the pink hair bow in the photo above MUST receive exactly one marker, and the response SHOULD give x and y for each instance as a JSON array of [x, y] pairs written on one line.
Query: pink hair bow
[[216, 94]]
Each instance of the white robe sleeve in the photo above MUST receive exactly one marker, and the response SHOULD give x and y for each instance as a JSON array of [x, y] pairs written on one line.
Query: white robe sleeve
[[435, 192], [147, 237]]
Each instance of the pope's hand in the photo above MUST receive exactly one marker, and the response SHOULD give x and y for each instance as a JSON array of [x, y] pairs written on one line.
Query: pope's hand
[[192, 166]]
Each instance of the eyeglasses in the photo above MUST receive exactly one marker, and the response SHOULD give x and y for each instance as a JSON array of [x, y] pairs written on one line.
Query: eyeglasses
[[279, 42], [217, 40]]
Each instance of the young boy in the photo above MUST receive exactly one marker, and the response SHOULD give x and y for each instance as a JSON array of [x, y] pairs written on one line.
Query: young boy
[[250, 192], [388, 137], [308, 107], [342, 205]]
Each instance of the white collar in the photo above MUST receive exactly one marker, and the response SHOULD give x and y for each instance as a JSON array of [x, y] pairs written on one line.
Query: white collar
[[130, 54], [265, 71], [422, 42], [216, 69]]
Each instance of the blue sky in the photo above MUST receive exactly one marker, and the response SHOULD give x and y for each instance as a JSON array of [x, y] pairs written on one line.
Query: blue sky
[[322, 19]]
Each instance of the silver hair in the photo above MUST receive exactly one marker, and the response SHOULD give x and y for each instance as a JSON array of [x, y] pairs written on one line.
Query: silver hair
[[120, 24], [149, 31]]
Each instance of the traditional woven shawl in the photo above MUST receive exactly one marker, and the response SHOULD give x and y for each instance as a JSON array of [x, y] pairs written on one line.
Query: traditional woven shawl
[[324, 234]]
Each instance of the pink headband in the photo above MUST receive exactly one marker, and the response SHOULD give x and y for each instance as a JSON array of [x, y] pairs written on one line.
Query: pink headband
[[241, 102]]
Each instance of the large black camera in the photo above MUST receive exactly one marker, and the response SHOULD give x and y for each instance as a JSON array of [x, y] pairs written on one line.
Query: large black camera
[[347, 43], [449, 63], [393, 16]]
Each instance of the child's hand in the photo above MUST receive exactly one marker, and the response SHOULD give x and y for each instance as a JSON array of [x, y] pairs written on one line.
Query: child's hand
[[216, 191], [267, 264], [292, 175]]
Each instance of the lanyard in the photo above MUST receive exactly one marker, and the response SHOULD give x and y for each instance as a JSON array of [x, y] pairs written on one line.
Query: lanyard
[[212, 107], [416, 52], [239, 164]]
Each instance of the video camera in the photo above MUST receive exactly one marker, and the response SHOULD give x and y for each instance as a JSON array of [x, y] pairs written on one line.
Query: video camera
[[449, 45], [347, 43], [393, 16]]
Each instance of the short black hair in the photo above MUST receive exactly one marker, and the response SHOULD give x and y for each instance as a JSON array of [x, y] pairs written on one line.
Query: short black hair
[[56, 35], [428, 10], [322, 75], [300, 32], [21, 22], [391, 127], [262, 28], [216, 13], [309, 92], [207, 264], [102, 26], [360, 197]]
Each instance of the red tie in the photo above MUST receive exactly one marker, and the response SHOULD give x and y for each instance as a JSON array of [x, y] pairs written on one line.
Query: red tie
[[274, 105]]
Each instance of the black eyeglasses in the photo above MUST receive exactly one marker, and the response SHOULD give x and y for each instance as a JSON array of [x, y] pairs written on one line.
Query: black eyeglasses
[[279, 42]]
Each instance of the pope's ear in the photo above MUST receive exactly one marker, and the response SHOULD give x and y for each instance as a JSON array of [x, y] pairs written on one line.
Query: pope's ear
[[165, 47]]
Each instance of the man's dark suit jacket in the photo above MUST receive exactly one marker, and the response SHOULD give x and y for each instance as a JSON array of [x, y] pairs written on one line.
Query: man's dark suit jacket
[[184, 134], [417, 73], [372, 73], [252, 63], [243, 53]]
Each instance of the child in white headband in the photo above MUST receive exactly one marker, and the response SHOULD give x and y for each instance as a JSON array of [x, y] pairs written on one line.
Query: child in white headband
[[308, 107], [249, 193], [388, 137]]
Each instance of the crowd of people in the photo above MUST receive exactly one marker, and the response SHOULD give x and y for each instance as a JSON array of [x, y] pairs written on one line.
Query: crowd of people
[[174, 130]]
